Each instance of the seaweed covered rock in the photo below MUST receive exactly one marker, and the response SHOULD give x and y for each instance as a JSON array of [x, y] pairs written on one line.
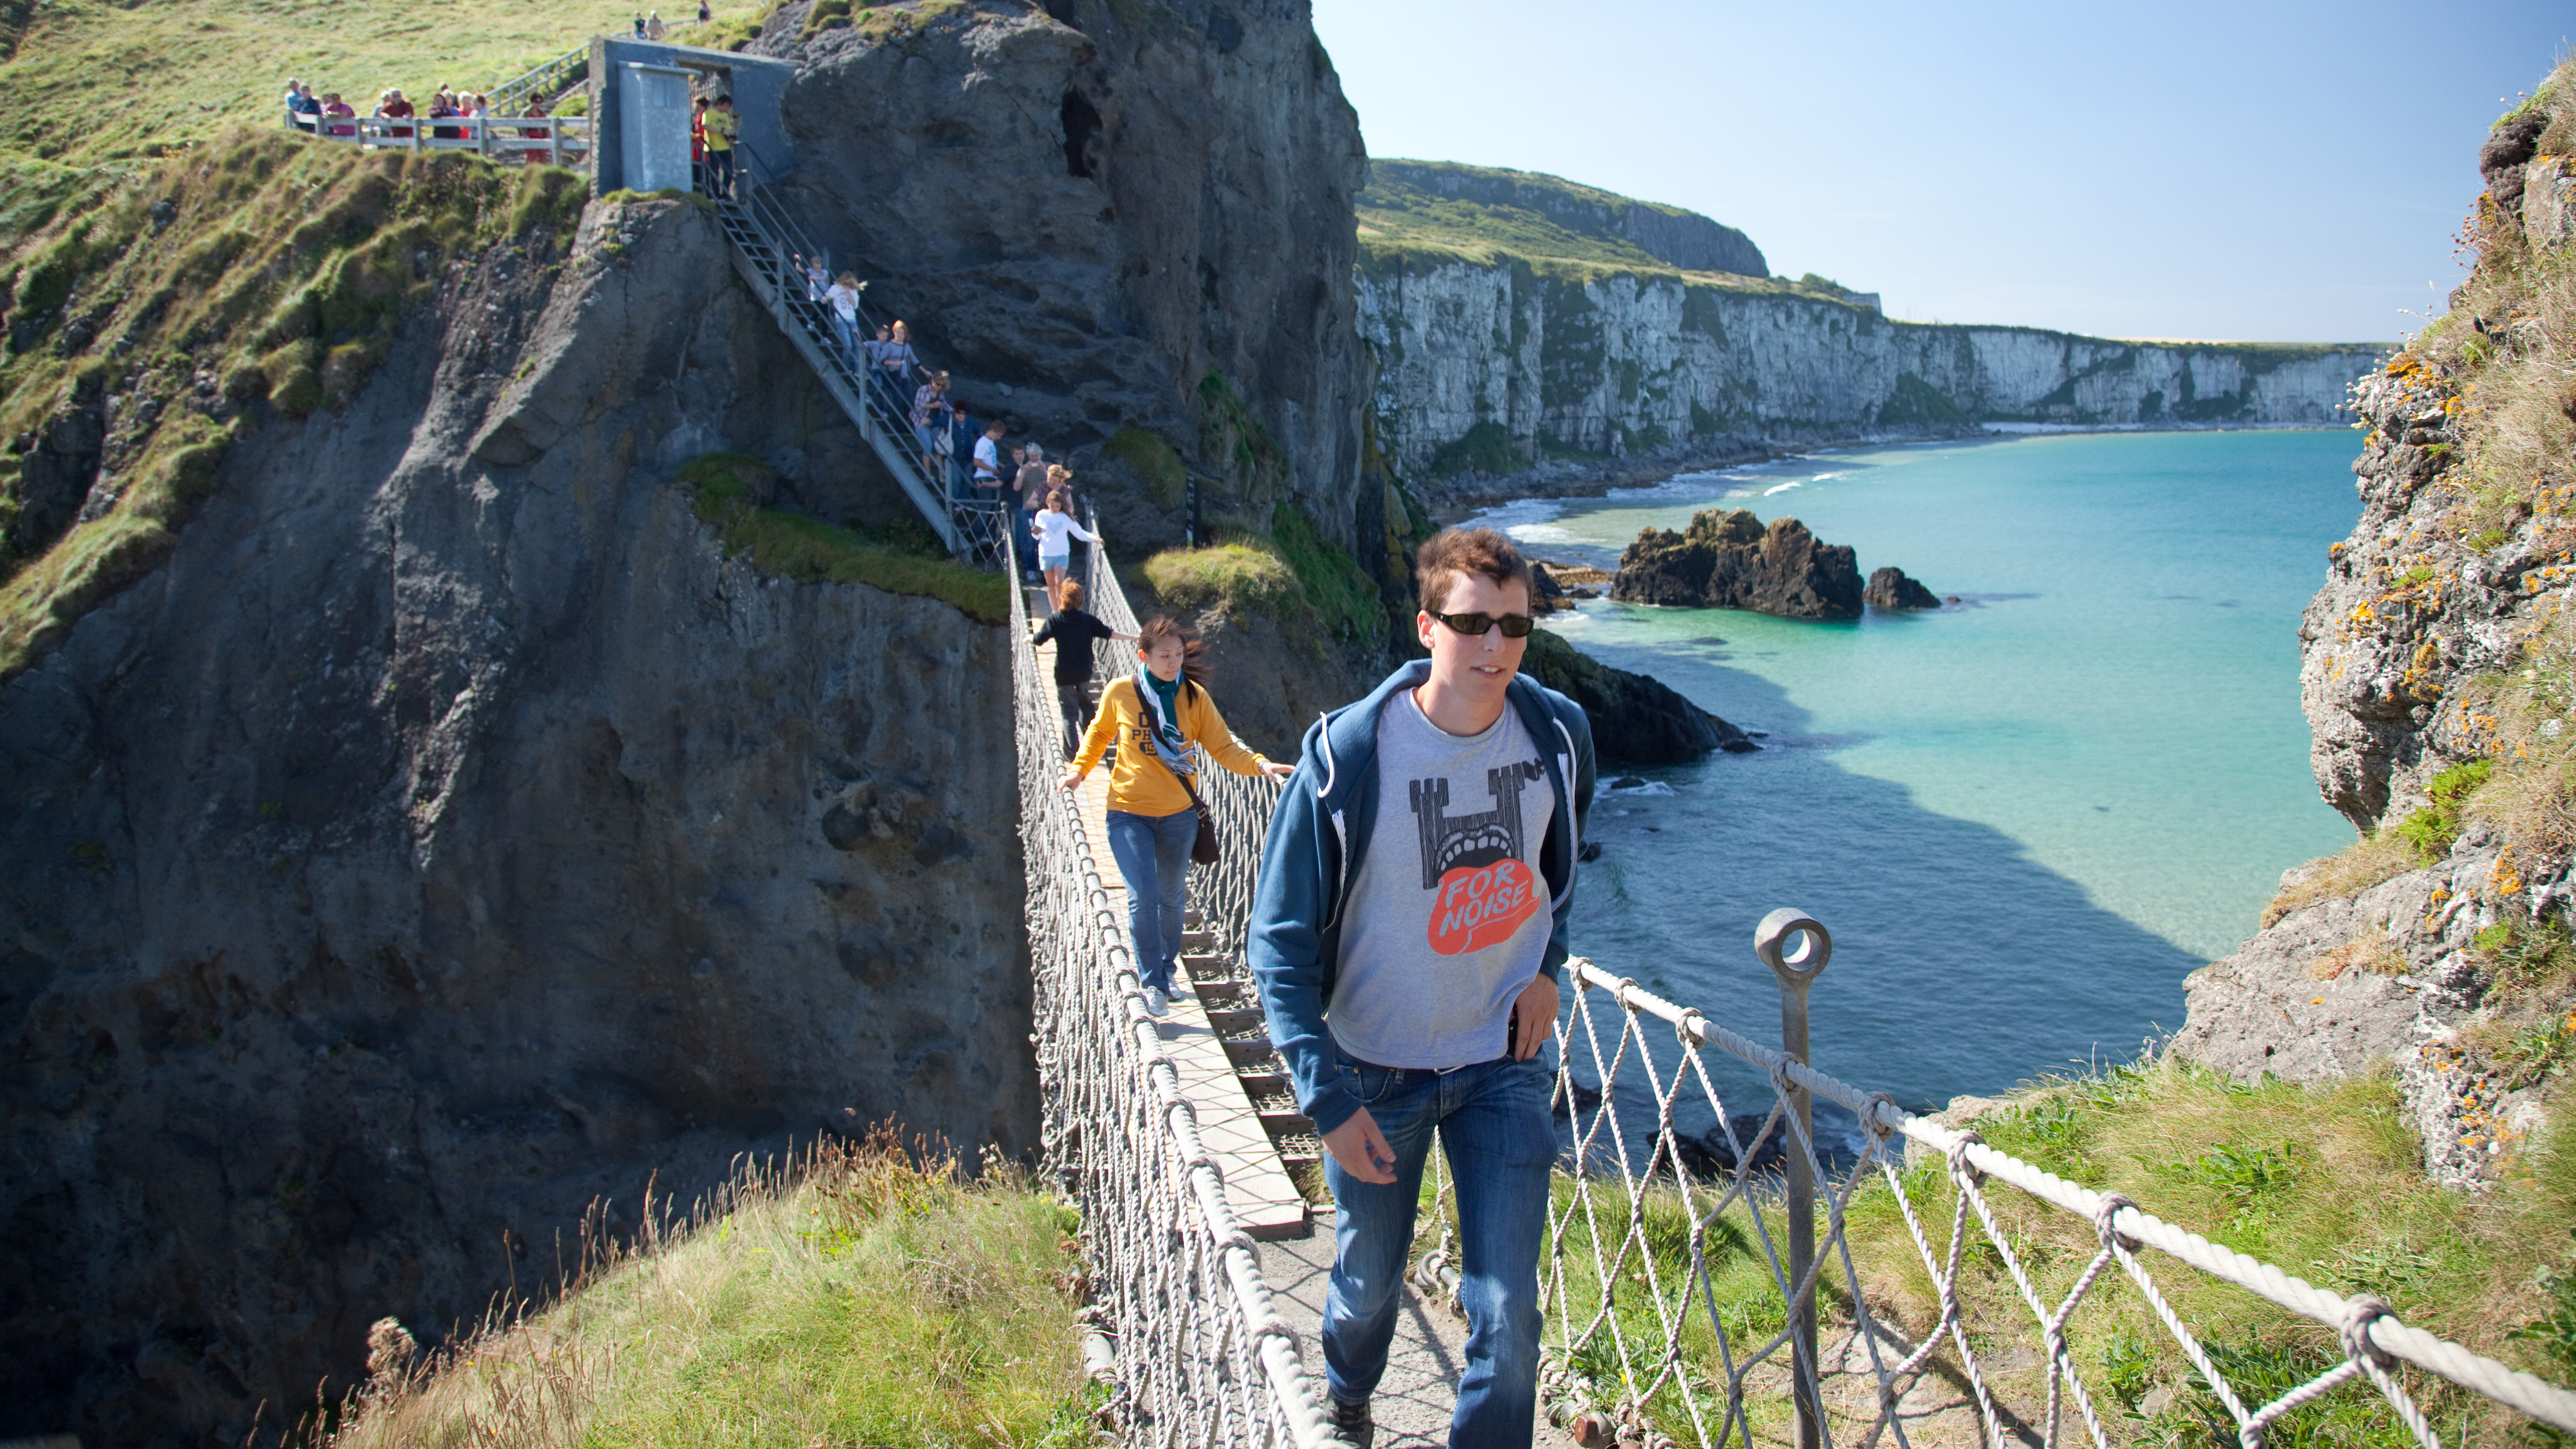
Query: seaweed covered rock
[[1730, 561], [1636, 719], [1893, 588]]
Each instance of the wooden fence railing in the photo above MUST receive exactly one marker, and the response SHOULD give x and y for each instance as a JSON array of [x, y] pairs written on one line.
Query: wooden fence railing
[[552, 140]]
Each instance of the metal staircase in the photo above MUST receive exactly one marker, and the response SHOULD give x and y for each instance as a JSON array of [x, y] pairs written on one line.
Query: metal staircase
[[544, 80], [765, 243]]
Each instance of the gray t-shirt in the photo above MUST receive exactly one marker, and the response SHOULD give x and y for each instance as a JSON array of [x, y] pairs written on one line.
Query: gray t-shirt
[[1448, 918]]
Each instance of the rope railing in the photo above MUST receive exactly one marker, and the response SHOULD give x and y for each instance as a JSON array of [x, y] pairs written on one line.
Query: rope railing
[[1199, 1355], [1641, 1347], [1641, 1351]]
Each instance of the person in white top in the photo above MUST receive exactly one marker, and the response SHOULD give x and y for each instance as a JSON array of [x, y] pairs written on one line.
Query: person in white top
[[1056, 530], [844, 297]]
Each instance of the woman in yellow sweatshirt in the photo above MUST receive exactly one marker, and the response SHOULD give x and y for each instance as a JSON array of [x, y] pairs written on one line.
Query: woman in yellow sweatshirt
[[1155, 715]]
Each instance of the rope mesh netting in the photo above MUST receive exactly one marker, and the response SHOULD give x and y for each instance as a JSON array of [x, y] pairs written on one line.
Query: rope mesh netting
[[1667, 1270], [1201, 1358]]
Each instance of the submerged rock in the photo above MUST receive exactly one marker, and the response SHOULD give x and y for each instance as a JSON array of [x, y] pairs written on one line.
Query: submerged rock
[[1890, 588], [1636, 719], [1730, 561]]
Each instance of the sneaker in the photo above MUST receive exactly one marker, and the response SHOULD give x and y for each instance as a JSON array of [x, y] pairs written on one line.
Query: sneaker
[[1156, 1003], [1353, 1424]]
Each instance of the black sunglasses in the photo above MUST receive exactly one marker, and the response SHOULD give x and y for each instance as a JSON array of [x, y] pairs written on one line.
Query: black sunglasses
[[1515, 626]]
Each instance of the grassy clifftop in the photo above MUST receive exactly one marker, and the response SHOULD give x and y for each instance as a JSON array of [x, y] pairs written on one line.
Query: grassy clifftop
[[1548, 217], [91, 81]]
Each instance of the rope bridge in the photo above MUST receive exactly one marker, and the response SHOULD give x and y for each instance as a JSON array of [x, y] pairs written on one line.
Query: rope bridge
[[1642, 1351]]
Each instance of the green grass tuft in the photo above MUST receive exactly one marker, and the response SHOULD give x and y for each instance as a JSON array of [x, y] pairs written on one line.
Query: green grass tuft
[[1166, 478], [857, 1299], [1292, 573], [2322, 1179], [810, 551], [1242, 577], [1487, 448]]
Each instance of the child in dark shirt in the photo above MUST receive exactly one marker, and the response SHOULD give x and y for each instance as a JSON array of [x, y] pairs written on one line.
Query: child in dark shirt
[[1073, 629]]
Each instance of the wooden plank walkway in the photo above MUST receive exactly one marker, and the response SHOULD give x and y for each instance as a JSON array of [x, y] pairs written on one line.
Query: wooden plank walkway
[[1257, 1187]]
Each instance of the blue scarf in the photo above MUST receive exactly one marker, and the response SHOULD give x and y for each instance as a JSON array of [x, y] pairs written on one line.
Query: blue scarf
[[1164, 727]]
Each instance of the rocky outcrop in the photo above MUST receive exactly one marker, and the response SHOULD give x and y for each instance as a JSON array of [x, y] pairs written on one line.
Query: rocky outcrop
[[1892, 589], [2430, 667], [1636, 719], [2392, 977], [434, 845], [1585, 365], [1729, 560], [1101, 216]]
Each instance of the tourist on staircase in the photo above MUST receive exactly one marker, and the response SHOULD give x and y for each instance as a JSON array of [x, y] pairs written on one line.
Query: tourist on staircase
[[335, 109], [1031, 482], [930, 422], [654, 29], [721, 127], [534, 108], [1073, 629], [843, 295], [1156, 715], [992, 505], [895, 361], [1414, 993]]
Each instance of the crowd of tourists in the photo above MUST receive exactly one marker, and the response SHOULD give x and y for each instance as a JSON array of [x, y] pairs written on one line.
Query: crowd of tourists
[[990, 483], [328, 114]]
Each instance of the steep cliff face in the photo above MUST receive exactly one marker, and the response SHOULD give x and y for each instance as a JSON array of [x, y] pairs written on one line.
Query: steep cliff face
[[1103, 216], [433, 844], [1492, 365], [2439, 677]]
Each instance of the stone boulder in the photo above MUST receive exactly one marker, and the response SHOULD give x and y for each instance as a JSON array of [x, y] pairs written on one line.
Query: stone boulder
[[1546, 594], [1636, 719], [1891, 588], [1730, 561]]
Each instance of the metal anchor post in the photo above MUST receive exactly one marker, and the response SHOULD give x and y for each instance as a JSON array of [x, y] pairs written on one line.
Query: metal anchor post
[[1796, 947]]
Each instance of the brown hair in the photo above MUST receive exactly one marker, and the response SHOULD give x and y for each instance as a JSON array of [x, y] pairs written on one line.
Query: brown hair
[[1071, 593], [1194, 665], [1463, 551]]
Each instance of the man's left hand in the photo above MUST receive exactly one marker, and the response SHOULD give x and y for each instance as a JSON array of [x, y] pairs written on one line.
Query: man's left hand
[[1533, 1017]]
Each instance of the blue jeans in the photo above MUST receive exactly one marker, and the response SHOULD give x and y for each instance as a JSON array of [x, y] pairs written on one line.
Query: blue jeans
[[1493, 1119], [1153, 853]]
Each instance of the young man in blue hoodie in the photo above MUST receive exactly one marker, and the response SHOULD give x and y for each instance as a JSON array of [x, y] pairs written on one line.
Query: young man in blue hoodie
[[1407, 940]]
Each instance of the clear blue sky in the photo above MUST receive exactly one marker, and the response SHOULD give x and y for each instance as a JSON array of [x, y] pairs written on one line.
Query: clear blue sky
[[2250, 170]]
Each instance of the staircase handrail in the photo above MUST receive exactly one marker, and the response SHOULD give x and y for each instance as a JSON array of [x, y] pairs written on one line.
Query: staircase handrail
[[969, 535], [545, 75]]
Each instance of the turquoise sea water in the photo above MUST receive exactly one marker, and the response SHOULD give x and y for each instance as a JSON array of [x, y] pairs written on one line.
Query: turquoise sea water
[[2025, 818]]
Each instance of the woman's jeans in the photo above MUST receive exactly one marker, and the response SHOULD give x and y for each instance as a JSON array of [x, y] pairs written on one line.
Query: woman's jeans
[[1153, 853], [1493, 1119]]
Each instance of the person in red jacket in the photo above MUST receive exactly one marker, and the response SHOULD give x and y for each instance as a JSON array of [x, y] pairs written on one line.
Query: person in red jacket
[[698, 145]]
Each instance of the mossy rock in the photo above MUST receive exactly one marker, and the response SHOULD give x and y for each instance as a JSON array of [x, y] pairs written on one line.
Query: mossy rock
[[1155, 462]]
